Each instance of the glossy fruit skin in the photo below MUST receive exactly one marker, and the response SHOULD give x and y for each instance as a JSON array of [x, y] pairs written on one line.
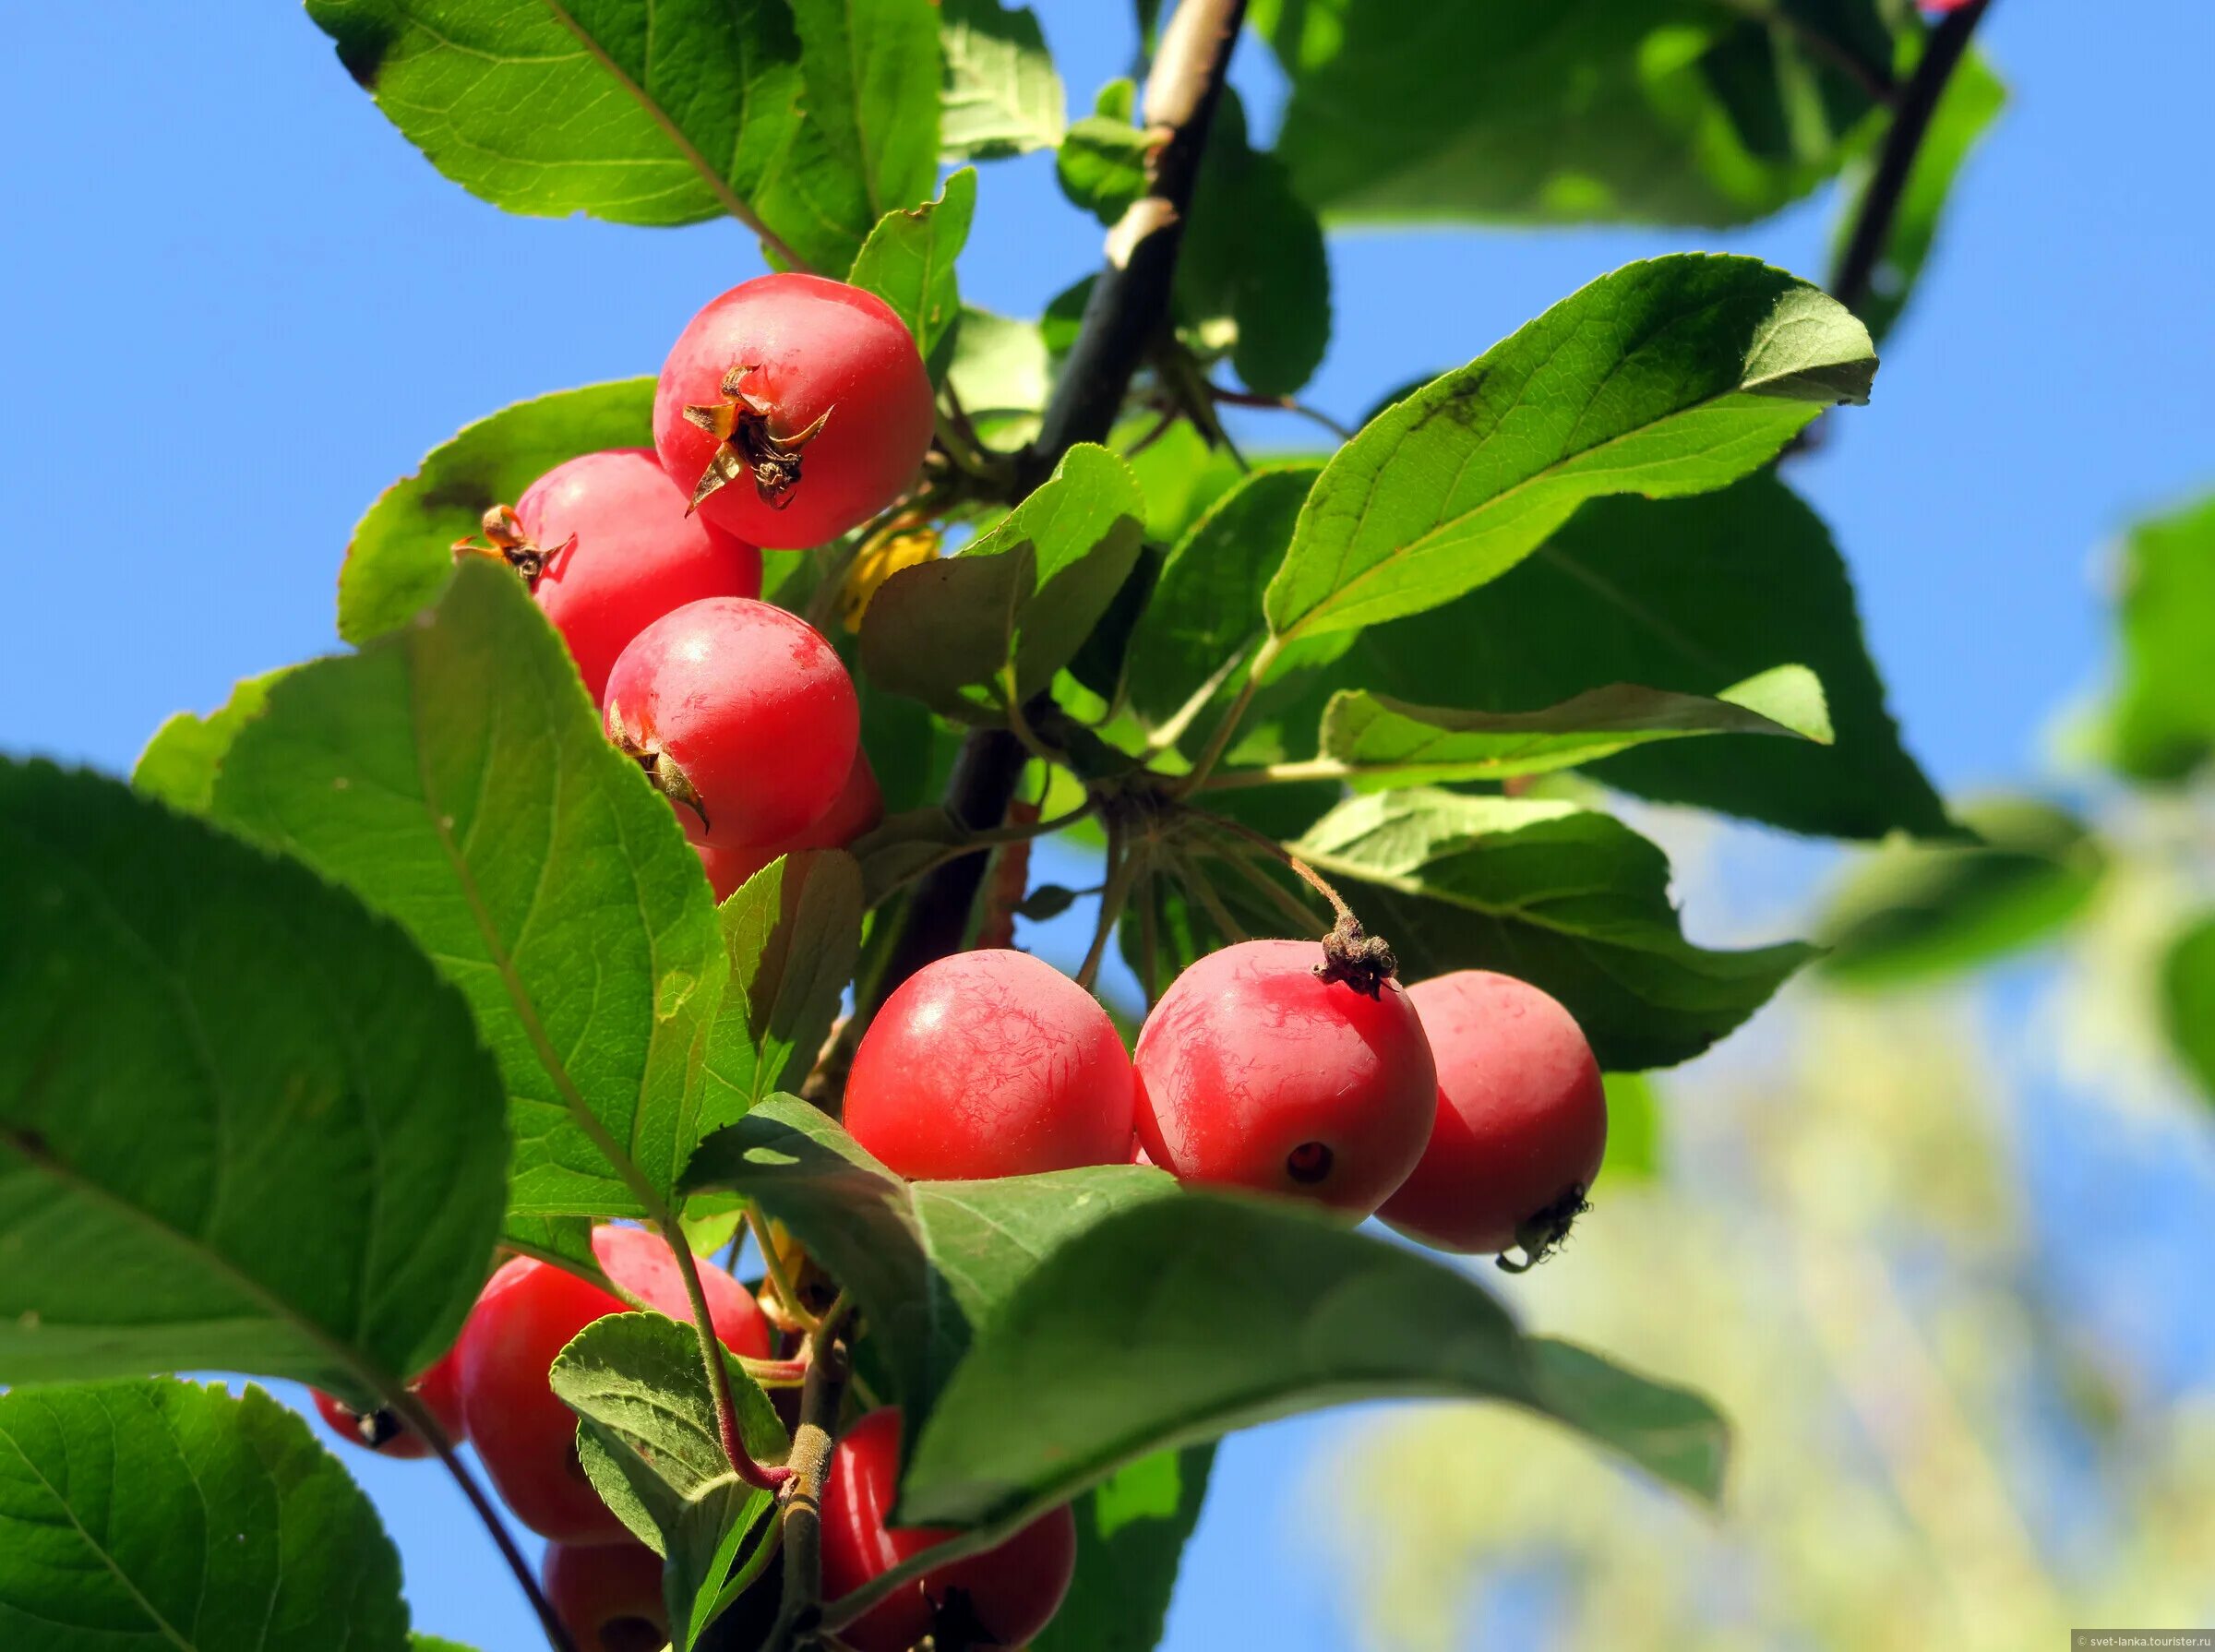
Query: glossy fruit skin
[[818, 348], [1255, 1072], [752, 704], [1522, 1115], [527, 1314], [990, 1063], [439, 1388], [1008, 1594], [859, 807], [609, 1597], [636, 555]]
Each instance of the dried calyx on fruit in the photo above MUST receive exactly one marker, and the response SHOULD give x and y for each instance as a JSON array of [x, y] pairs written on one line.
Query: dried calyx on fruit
[[505, 538], [747, 445]]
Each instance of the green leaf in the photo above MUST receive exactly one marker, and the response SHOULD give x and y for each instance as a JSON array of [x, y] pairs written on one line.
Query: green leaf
[[2163, 722], [1677, 376], [1375, 741], [1253, 276], [455, 776], [1973, 99], [926, 1261], [1572, 901], [1634, 1128], [1132, 1529], [179, 763], [871, 69], [164, 1514], [1102, 165], [2188, 1001], [243, 1125], [403, 550], [1203, 614], [1206, 606], [991, 625], [1910, 913], [1002, 95], [908, 260], [649, 1442], [793, 931], [1689, 595], [1582, 111], [1181, 1320], [667, 113], [999, 371]]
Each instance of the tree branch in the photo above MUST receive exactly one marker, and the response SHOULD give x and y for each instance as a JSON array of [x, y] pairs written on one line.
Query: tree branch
[[1127, 311], [1850, 284]]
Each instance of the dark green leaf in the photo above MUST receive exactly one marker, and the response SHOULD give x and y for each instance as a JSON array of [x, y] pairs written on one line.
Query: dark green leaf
[[1253, 277], [1910, 913], [2188, 1001], [908, 260], [1001, 96], [1132, 1529], [1048, 901], [402, 549], [649, 1442], [793, 932], [926, 1261], [663, 114], [1373, 742], [243, 1126], [1677, 376], [1973, 100], [1206, 608], [1186, 1318], [454, 774], [179, 763], [991, 625], [1691, 596], [1572, 901], [1579, 111], [2165, 715], [165, 1515]]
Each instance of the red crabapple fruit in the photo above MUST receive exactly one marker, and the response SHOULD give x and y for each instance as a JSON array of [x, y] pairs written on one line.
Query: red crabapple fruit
[[990, 1063], [382, 1432], [741, 713], [618, 550], [1521, 1123], [857, 809], [792, 409], [528, 1313], [1001, 1597], [1255, 1072], [609, 1596]]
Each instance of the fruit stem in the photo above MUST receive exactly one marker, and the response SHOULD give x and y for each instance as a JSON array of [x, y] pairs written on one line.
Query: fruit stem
[[1218, 742], [1231, 398], [417, 1416], [780, 1277], [1122, 870], [1361, 960], [719, 1372], [1851, 283]]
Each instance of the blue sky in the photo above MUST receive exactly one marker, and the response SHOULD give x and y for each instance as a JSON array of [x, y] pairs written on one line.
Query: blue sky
[[238, 304]]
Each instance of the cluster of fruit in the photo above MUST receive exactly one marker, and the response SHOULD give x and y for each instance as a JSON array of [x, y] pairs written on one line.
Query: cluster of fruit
[[1467, 1111], [790, 409]]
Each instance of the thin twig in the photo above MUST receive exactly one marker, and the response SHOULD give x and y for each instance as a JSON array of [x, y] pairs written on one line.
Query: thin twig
[[801, 1516], [1879, 211], [1219, 740], [1229, 396], [780, 1279], [1123, 865], [410, 1409]]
